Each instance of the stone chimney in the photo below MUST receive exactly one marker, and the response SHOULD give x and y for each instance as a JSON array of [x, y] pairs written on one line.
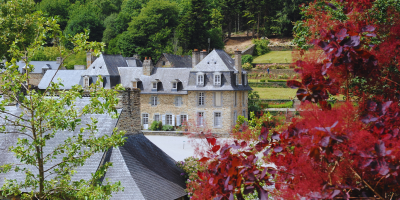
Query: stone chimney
[[59, 60], [203, 54], [129, 119], [147, 66], [238, 65], [195, 57], [89, 58]]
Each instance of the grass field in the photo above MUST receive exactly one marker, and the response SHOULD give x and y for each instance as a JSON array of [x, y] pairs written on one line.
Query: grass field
[[275, 93], [274, 57]]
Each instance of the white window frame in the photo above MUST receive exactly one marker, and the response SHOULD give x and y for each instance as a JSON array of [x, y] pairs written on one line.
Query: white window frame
[[174, 85], [183, 119], [201, 99], [154, 100], [168, 119], [200, 118], [156, 116], [145, 118], [154, 85], [217, 79], [217, 119], [200, 79]]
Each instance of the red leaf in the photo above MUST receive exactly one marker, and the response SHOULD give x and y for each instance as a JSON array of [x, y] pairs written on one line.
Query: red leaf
[[216, 148], [204, 159], [211, 141], [294, 84]]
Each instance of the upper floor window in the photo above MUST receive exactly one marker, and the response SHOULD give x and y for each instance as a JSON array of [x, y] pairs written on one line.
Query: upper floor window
[[217, 79], [153, 100], [217, 119], [174, 85], [200, 79], [237, 79], [218, 99], [178, 101], [201, 99], [235, 100], [155, 85]]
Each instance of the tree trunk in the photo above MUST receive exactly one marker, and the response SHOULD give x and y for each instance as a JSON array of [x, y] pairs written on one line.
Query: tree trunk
[[229, 28], [258, 26]]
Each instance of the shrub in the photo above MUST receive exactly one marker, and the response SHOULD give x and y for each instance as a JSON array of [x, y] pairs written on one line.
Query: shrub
[[262, 80], [261, 47], [247, 66], [167, 128], [271, 80], [247, 59], [155, 125]]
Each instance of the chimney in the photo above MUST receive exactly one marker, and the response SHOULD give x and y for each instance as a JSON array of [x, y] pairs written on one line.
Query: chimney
[[238, 65], [129, 119], [59, 60], [195, 57], [147, 67], [89, 60], [203, 54]]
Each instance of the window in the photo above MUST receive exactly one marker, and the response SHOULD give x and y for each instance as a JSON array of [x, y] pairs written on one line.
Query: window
[[134, 84], [201, 99], [163, 63], [168, 120], [245, 79], [178, 101], [243, 98], [217, 119], [235, 98], [200, 79], [200, 119], [218, 99], [86, 82], [174, 85], [234, 117], [156, 117], [154, 100], [237, 79], [154, 85], [145, 118], [244, 113], [183, 119], [217, 79]]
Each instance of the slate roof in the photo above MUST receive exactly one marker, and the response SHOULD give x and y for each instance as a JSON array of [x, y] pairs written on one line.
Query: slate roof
[[216, 60], [178, 61], [38, 65], [144, 170], [133, 62], [106, 65], [165, 75], [144, 178], [68, 78]]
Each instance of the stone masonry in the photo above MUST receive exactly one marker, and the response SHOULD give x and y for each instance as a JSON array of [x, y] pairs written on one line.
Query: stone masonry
[[129, 119]]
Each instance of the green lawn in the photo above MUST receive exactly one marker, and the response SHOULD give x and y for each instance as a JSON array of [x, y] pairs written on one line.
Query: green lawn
[[275, 57], [275, 93]]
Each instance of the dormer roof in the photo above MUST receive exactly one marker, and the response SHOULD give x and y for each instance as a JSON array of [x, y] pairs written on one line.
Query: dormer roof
[[216, 60]]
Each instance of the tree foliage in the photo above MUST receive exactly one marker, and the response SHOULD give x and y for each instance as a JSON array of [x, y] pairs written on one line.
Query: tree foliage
[[348, 150], [44, 114]]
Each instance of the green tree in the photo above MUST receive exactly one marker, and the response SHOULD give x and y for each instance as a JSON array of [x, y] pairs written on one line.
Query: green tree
[[56, 8], [151, 32], [43, 116]]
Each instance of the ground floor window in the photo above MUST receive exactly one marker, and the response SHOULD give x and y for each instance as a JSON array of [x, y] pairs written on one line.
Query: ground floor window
[[200, 119], [145, 118], [168, 120], [183, 119], [217, 119], [156, 117]]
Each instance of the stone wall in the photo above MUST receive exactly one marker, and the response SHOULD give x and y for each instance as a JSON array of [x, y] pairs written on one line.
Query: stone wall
[[35, 78], [160, 61], [249, 50], [281, 48], [129, 119]]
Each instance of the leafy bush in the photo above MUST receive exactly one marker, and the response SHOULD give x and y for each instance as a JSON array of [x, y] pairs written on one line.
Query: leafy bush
[[271, 80], [247, 66], [247, 59], [155, 126], [261, 47], [262, 80], [167, 128], [288, 104], [191, 166]]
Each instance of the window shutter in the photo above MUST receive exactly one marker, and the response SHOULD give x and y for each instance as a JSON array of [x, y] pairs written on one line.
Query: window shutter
[[176, 101], [157, 100], [154, 117], [178, 120], [163, 120], [173, 120], [150, 100]]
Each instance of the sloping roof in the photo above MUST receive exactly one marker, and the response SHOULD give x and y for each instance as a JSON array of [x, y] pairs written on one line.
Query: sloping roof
[[178, 61], [144, 178], [106, 65], [68, 78], [216, 60], [165, 75], [38, 65], [133, 62], [105, 124], [144, 170]]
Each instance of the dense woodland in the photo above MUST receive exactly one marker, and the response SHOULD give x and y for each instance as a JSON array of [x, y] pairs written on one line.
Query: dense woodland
[[152, 27]]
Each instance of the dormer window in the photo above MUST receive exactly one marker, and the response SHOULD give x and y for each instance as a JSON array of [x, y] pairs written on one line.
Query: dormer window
[[134, 84], [154, 85], [217, 79], [200, 79], [86, 82], [175, 85]]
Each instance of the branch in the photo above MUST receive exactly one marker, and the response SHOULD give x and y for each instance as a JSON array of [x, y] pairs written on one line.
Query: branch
[[62, 163], [358, 176]]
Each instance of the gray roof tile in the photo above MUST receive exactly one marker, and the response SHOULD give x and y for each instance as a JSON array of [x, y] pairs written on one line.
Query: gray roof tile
[[68, 78], [178, 61], [38, 65]]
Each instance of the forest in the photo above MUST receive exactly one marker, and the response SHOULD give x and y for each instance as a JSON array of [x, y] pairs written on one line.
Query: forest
[[152, 27]]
